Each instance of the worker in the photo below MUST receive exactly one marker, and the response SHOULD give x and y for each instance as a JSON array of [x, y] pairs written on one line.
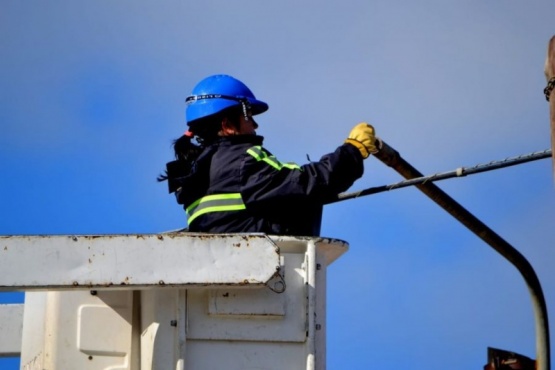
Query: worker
[[227, 182]]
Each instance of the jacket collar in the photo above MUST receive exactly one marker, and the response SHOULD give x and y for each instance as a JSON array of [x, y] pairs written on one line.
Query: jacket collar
[[240, 139]]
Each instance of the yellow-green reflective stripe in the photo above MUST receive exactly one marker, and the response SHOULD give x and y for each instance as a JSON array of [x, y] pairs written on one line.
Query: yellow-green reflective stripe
[[215, 203], [291, 166], [260, 155]]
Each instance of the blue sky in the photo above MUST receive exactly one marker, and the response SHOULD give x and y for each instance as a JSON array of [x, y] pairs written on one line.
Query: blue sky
[[92, 93]]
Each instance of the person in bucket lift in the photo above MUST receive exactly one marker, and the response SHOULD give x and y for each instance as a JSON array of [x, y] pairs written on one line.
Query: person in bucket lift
[[228, 183]]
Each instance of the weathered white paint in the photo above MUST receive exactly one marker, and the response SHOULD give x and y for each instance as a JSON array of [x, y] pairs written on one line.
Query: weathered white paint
[[205, 326], [137, 261]]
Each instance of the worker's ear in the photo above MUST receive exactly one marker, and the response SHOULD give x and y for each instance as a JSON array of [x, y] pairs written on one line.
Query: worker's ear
[[228, 128]]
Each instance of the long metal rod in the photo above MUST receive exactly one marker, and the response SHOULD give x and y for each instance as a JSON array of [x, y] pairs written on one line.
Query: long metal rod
[[549, 71], [391, 158], [459, 172]]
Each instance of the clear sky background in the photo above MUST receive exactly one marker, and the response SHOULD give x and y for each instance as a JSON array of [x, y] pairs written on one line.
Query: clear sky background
[[92, 94]]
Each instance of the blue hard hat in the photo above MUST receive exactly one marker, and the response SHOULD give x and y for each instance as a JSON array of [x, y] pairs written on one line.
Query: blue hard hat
[[216, 93]]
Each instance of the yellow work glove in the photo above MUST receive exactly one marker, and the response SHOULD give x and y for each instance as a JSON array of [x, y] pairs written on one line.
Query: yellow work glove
[[363, 137]]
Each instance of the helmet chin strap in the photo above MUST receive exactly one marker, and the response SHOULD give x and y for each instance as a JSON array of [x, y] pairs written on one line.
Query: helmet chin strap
[[246, 108]]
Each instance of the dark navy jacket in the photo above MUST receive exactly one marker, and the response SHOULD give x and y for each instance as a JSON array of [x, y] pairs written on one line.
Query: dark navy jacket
[[238, 186]]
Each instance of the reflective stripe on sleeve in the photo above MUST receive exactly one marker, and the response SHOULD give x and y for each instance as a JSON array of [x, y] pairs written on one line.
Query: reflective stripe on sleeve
[[215, 203], [260, 155]]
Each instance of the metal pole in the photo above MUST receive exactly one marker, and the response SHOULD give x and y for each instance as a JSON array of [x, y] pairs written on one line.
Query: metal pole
[[459, 172], [392, 158], [549, 75]]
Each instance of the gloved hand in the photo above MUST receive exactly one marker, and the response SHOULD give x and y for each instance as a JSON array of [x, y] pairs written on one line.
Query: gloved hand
[[363, 136]]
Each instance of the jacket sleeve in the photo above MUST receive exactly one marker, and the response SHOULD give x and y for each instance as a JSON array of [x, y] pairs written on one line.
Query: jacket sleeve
[[266, 181]]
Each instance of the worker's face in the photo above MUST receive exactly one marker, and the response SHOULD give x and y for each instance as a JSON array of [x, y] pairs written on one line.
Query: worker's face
[[241, 126], [247, 126]]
